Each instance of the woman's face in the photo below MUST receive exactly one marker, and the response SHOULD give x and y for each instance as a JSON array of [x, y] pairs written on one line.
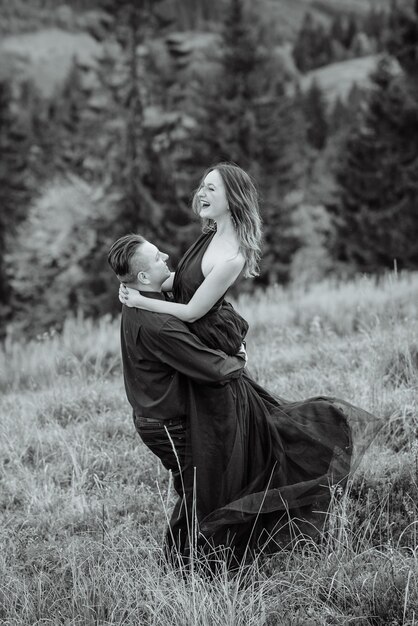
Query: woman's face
[[212, 197]]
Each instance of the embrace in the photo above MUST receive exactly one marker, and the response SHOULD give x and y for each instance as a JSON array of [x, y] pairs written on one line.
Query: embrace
[[252, 471]]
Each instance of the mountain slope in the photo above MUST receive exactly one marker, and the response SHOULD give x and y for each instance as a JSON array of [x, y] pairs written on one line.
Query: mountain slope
[[45, 56], [337, 79], [287, 15]]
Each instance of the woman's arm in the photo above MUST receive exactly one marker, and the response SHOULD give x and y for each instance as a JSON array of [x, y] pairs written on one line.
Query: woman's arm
[[168, 285], [216, 283]]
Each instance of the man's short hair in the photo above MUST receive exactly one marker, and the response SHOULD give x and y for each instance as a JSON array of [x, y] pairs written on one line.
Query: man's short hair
[[121, 257]]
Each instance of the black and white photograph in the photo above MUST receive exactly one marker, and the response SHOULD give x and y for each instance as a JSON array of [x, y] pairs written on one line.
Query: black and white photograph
[[209, 312]]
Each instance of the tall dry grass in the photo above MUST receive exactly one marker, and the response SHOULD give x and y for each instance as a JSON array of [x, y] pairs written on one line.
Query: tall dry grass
[[83, 503]]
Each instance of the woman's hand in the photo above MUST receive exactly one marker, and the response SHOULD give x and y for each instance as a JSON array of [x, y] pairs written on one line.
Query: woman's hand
[[130, 297], [243, 352]]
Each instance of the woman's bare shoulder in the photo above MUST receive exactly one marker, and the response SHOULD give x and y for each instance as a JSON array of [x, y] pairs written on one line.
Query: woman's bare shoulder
[[232, 259], [224, 254]]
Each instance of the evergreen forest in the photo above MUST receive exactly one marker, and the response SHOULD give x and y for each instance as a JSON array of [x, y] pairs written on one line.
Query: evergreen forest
[[112, 136]]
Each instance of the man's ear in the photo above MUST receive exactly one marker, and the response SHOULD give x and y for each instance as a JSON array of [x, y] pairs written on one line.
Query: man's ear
[[143, 278]]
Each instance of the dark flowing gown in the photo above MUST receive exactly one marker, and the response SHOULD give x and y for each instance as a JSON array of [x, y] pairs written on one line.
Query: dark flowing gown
[[261, 469]]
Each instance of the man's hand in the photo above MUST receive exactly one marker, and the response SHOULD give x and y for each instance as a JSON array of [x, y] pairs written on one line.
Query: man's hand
[[242, 352]]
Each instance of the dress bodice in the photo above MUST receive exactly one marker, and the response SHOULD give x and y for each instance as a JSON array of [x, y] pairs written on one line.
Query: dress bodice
[[189, 275], [222, 327]]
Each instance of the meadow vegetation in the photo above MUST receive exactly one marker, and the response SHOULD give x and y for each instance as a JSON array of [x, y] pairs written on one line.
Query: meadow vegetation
[[84, 504]]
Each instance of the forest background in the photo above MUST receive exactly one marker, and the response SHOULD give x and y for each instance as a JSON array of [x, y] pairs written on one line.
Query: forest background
[[110, 110]]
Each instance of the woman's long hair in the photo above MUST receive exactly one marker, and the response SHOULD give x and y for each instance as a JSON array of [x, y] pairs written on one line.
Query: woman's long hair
[[242, 198]]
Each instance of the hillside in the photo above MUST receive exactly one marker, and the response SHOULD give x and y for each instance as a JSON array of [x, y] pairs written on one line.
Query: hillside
[[40, 39], [287, 15], [337, 79], [46, 55], [83, 503]]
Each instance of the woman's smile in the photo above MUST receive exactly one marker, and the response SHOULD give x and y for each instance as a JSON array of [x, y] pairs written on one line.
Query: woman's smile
[[204, 205]]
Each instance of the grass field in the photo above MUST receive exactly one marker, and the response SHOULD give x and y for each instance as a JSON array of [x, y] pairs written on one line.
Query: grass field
[[84, 504]]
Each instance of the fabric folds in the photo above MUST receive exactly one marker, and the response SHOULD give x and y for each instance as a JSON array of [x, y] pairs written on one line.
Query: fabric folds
[[260, 469]]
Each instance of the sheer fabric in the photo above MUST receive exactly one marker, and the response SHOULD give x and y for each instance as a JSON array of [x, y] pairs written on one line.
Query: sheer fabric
[[261, 468]]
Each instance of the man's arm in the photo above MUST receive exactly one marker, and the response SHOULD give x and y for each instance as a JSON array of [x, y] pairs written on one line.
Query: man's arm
[[184, 352]]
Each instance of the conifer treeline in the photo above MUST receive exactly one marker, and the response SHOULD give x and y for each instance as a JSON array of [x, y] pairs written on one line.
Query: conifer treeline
[[346, 36], [127, 139], [376, 214]]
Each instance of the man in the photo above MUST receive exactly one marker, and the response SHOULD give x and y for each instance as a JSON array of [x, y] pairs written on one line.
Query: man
[[162, 362]]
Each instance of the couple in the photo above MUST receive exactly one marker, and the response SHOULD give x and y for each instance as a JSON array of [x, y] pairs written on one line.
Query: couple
[[252, 471]]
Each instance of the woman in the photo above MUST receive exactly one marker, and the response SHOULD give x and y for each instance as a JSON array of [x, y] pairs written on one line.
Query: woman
[[276, 461], [227, 203]]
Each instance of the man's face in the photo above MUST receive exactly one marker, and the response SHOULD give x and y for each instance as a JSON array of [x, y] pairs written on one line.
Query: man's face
[[153, 264]]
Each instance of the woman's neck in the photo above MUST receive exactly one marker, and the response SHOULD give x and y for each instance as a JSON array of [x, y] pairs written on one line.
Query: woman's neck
[[225, 227]]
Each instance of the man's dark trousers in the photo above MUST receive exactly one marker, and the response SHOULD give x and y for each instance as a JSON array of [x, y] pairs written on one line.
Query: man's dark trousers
[[167, 440]]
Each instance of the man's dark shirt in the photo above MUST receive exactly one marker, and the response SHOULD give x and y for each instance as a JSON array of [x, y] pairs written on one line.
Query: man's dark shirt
[[159, 355]]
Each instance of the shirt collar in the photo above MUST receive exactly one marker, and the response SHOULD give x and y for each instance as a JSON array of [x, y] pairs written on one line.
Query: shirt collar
[[155, 295]]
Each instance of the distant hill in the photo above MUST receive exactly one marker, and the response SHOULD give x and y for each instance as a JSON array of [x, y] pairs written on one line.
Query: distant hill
[[287, 15], [337, 79], [359, 7], [45, 54]]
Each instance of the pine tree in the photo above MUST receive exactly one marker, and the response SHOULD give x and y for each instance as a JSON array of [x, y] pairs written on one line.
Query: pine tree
[[339, 116], [195, 14], [14, 161], [64, 139], [313, 45], [281, 164], [225, 107], [145, 128], [315, 110], [129, 97], [118, 107], [245, 116], [376, 217], [15, 179], [403, 38], [337, 30], [4, 119], [305, 44], [350, 31], [375, 25], [355, 99]]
